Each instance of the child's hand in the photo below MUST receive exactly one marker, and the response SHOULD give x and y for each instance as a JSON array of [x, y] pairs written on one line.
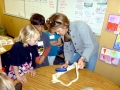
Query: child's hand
[[42, 59], [32, 72], [39, 60], [22, 79]]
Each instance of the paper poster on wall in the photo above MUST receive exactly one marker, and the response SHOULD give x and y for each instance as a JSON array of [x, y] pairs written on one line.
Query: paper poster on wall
[[119, 9], [109, 56], [15, 8], [44, 7], [90, 11], [117, 42], [113, 23]]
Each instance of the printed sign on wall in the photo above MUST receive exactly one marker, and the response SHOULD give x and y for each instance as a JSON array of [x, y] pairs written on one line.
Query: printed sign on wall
[[117, 42], [113, 23], [109, 56]]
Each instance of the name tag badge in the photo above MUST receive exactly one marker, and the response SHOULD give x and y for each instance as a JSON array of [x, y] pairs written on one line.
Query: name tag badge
[[52, 36], [40, 47], [40, 43]]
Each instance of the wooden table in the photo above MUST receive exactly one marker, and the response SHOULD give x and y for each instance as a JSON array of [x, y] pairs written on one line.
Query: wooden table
[[43, 77]]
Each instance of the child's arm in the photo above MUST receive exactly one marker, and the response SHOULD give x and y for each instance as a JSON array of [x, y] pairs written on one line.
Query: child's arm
[[47, 50], [45, 53], [53, 42], [0, 65], [57, 42], [40, 59], [19, 78]]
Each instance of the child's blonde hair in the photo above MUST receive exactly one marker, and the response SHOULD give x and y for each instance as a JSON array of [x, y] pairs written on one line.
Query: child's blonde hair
[[5, 83], [28, 32]]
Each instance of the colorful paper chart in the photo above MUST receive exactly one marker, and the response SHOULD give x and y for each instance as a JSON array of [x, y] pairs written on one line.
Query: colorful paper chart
[[113, 23], [117, 42], [109, 56]]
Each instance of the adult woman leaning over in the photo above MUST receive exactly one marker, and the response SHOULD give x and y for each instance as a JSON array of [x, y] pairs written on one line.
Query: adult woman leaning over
[[80, 43]]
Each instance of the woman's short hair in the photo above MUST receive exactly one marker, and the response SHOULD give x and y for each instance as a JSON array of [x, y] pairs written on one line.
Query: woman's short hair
[[26, 33], [57, 20], [5, 83], [37, 19]]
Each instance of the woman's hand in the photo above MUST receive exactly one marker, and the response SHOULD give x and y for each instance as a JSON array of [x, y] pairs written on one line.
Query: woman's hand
[[22, 79], [65, 65], [81, 63]]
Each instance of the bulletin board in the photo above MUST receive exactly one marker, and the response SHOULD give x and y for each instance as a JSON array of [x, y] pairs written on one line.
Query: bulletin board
[[90, 11], [25, 8], [107, 40]]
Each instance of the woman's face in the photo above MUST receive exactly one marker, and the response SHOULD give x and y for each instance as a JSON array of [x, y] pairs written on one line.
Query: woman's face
[[61, 31]]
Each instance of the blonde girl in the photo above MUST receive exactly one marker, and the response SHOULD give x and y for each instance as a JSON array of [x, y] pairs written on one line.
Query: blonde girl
[[22, 54]]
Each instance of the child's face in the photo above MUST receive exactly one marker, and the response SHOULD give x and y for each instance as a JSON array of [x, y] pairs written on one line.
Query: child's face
[[39, 27], [33, 41]]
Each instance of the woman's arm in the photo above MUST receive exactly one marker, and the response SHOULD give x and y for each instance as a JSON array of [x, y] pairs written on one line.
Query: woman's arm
[[88, 42], [66, 64]]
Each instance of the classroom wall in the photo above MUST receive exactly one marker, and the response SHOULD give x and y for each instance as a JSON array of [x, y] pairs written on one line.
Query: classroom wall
[[11, 23], [107, 39], [0, 20], [0, 14], [14, 24]]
